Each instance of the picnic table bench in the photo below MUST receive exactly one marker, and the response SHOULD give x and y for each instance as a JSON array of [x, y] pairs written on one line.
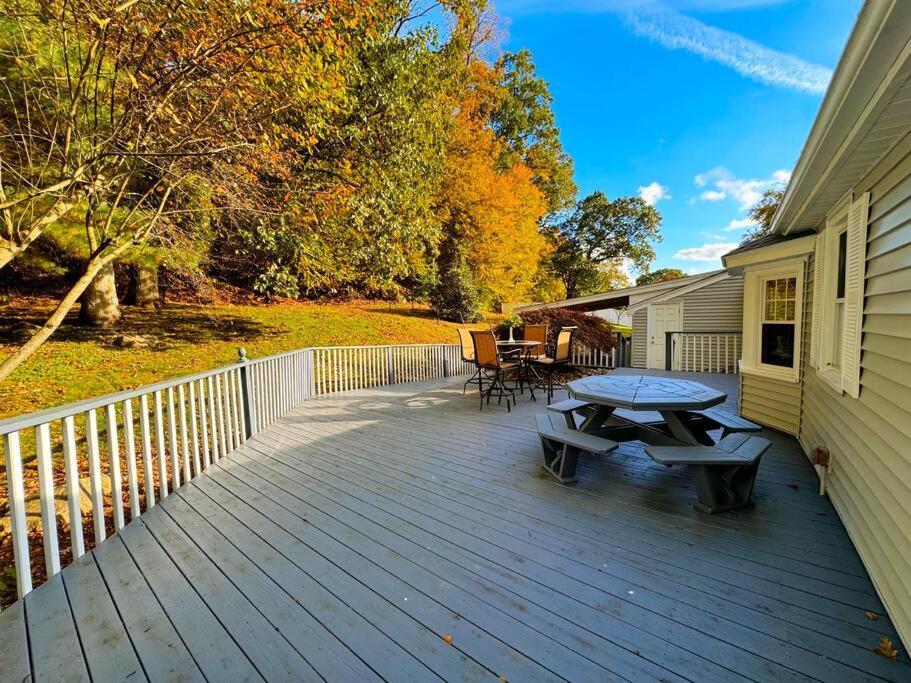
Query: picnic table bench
[[723, 472]]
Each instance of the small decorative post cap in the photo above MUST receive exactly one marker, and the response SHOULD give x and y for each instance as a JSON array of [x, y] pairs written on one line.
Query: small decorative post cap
[[241, 355]]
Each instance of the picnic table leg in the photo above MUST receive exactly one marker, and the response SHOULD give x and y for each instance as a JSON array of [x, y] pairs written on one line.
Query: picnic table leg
[[597, 419], [724, 488], [560, 460], [683, 431]]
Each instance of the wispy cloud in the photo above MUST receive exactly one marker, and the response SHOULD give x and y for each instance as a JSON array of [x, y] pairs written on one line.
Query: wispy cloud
[[653, 192], [707, 252], [745, 191], [676, 31]]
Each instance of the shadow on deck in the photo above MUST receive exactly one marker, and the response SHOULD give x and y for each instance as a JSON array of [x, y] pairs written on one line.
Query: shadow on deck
[[399, 533]]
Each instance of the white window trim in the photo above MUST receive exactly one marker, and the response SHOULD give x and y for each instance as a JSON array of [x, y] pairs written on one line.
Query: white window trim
[[752, 320], [850, 217]]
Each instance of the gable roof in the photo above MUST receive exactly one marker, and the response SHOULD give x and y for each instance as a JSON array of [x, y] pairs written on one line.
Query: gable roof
[[866, 111], [620, 298]]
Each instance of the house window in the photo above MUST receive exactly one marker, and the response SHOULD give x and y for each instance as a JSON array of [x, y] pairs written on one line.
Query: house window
[[772, 318], [779, 322]]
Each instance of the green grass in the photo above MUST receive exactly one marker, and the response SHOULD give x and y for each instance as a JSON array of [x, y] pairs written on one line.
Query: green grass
[[81, 362]]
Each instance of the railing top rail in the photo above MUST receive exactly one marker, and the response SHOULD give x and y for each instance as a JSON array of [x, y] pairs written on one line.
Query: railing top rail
[[386, 346]]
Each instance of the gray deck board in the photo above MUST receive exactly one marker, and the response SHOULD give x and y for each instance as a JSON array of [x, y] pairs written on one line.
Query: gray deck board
[[580, 576], [213, 649], [14, 662], [108, 651], [56, 654], [157, 643], [399, 533]]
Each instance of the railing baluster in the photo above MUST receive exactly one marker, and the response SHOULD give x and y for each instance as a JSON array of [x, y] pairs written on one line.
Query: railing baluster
[[204, 423], [129, 440], [172, 440], [46, 498], [238, 402], [145, 434], [182, 416], [91, 438], [73, 492], [219, 406], [229, 422], [16, 487], [160, 447], [213, 419], [194, 429], [110, 414]]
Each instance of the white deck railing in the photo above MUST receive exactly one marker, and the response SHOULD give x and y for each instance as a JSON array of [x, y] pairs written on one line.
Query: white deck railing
[[136, 447], [713, 351]]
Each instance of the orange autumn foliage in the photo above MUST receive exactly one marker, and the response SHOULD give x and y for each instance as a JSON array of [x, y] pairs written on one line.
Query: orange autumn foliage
[[491, 203]]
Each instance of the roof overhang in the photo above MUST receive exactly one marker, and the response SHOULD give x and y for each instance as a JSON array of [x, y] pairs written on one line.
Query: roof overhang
[[774, 252], [620, 298], [861, 117]]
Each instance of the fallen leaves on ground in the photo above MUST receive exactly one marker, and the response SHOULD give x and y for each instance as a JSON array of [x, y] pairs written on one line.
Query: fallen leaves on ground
[[885, 648], [872, 616], [447, 639], [792, 485]]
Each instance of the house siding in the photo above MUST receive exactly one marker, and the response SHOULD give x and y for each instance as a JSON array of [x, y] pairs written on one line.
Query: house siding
[[770, 402], [715, 307], [869, 438], [640, 338]]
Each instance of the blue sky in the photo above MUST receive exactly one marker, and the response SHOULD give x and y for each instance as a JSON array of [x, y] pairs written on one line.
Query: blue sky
[[698, 104]]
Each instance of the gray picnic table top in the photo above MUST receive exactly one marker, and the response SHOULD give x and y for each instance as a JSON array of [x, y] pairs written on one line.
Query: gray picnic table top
[[644, 392]]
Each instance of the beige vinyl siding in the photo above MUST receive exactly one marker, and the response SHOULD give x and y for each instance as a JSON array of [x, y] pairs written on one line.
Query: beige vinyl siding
[[715, 307], [869, 438], [640, 338], [770, 402]]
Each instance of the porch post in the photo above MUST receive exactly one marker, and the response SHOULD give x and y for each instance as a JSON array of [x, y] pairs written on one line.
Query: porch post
[[247, 393]]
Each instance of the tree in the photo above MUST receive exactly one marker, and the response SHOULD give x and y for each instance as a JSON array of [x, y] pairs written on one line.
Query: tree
[[660, 275], [454, 297], [600, 231], [763, 212], [524, 119], [111, 106]]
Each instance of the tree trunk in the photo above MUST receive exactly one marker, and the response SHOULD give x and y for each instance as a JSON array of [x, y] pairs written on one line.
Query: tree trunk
[[146, 294], [22, 354], [99, 303]]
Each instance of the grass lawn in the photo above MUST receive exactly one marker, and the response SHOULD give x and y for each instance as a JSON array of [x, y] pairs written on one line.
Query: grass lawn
[[80, 362]]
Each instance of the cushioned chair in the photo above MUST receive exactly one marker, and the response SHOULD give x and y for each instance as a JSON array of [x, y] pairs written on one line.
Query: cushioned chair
[[536, 333], [467, 346], [493, 368], [550, 365]]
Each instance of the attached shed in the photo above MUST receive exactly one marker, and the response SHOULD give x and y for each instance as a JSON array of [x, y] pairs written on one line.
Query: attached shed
[[703, 314]]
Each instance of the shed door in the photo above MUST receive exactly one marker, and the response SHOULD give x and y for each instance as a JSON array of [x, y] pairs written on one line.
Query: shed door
[[661, 318]]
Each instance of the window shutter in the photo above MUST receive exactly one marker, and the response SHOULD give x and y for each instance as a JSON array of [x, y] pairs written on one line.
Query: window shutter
[[816, 322], [855, 266]]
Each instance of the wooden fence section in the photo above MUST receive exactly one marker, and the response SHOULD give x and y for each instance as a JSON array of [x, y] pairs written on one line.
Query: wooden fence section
[[711, 351], [120, 454]]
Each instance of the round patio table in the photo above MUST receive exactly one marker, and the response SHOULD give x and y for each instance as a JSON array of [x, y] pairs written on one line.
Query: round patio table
[[672, 398]]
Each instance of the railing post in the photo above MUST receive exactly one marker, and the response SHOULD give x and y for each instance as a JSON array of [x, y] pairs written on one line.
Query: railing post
[[390, 374], [445, 367], [668, 351], [247, 393]]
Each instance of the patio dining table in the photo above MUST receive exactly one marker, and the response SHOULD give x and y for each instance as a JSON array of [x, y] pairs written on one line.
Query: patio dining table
[[674, 399]]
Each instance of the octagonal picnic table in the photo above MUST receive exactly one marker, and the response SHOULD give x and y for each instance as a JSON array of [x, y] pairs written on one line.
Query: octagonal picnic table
[[674, 399]]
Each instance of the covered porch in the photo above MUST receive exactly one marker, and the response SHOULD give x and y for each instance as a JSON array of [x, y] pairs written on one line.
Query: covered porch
[[400, 533]]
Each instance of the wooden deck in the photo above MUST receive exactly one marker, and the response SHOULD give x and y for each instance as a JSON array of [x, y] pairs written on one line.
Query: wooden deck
[[401, 534]]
